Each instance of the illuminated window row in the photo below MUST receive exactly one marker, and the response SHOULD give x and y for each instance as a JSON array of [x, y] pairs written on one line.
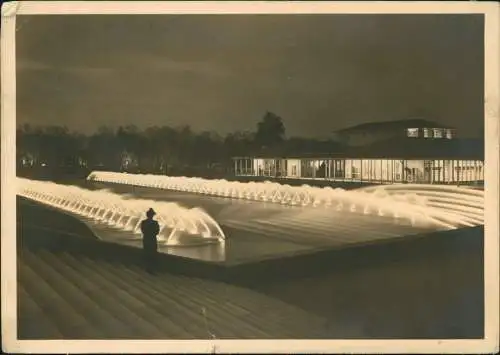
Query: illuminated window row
[[430, 133], [364, 170]]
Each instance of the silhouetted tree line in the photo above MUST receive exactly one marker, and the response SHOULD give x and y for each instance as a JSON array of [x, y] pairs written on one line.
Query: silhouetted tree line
[[160, 150]]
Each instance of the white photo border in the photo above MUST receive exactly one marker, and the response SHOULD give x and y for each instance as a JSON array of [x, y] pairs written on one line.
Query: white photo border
[[11, 344]]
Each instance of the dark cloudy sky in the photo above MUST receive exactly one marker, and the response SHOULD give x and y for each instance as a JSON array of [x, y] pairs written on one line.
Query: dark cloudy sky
[[319, 72]]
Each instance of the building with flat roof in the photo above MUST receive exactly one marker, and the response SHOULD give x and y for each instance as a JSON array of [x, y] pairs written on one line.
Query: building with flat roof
[[371, 132], [416, 154]]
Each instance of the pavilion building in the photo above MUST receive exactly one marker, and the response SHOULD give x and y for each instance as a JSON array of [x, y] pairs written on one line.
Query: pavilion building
[[411, 151]]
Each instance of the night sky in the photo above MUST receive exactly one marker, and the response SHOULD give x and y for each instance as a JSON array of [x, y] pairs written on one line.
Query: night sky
[[318, 72]]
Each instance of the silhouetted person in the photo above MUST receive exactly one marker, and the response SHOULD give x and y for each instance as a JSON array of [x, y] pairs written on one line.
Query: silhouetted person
[[150, 229]]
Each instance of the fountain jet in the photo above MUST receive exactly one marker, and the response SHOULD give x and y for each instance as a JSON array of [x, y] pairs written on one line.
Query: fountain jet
[[445, 206], [180, 226]]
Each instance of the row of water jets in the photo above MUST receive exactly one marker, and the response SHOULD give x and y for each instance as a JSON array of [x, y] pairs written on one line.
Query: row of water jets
[[462, 205], [443, 206], [179, 225]]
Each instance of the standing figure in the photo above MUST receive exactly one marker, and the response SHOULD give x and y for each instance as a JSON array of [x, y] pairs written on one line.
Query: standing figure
[[150, 229]]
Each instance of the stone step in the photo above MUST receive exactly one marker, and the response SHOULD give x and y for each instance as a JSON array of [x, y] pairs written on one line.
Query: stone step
[[84, 294], [222, 322], [251, 312], [118, 301], [70, 322], [221, 296], [175, 302], [261, 309], [32, 319], [216, 294], [114, 275]]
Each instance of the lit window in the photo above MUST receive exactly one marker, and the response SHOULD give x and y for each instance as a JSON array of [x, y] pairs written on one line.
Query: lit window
[[412, 132], [449, 134], [427, 133], [438, 133]]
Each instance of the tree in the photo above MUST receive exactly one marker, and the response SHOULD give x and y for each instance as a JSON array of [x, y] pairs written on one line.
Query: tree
[[129, 138], [238, 144], [152, 159], [205, 149], [185, 141], [53, 146], [57, 145], [103, 149], [131, 145], [28, 144], [270, 131], [168, 147]]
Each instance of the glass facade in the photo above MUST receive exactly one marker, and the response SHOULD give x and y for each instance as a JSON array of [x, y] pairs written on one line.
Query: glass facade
[[447, 133], [365, 170], [431, 171]]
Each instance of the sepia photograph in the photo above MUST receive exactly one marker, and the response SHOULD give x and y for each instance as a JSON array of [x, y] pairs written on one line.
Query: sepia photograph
[[303, 176]]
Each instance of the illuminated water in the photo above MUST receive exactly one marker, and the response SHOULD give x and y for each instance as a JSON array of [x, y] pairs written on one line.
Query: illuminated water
[[444, 206], [179, 225]]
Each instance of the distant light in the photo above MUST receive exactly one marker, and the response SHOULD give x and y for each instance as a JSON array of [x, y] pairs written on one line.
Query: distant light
[[438, 132], [412, 132], [43, 164]]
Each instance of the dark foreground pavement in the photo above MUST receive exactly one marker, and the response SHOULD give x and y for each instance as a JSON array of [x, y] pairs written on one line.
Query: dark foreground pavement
[[438, 295]]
